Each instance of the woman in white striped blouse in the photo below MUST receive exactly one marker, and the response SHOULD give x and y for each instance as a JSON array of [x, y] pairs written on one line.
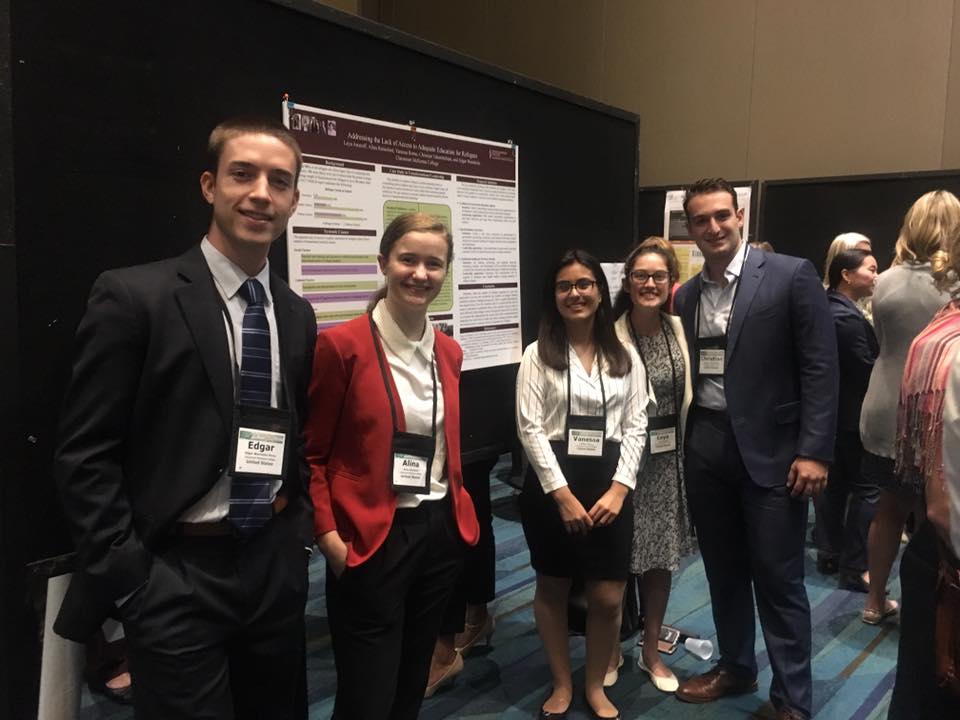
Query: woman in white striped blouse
[[581, 399]]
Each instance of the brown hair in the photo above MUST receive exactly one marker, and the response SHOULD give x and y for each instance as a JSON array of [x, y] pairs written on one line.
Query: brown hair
[[552, 341], [652, 244], [234, 127], [705, 186], [400, 226]]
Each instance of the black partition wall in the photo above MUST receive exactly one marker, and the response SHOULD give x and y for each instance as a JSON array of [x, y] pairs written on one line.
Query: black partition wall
[[801, 217], [111, 104]]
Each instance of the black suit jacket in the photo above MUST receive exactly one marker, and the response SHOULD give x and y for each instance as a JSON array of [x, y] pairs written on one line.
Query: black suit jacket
[[858, 349], [780, 379], [146, 421]]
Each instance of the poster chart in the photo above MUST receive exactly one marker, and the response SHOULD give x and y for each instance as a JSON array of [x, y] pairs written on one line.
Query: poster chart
[[359, 174], [675, 229]]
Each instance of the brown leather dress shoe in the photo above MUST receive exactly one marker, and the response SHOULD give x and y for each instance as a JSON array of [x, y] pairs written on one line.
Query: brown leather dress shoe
[[713, 685]]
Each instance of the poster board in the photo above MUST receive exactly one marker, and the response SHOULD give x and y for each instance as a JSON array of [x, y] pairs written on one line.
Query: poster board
[[359, 174]]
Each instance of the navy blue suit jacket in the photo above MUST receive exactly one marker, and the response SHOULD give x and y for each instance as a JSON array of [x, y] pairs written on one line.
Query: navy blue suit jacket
[[857, 348], [781, 377]]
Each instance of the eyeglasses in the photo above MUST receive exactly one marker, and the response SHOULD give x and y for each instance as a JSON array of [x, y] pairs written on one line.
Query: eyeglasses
[[582, 285], [660, 277]]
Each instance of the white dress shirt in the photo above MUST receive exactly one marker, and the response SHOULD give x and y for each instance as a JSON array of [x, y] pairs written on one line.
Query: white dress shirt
[[410, 362], [951, 451], [542, 412], [228, 278], [713, 315]]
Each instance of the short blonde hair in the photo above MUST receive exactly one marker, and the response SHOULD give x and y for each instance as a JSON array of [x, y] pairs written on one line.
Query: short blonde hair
[[929, 227], [843, 241]]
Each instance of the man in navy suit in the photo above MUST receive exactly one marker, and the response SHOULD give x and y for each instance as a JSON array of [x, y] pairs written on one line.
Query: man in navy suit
[[758, 445]]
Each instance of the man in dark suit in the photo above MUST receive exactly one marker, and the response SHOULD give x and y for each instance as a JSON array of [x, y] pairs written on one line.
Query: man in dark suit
[[180, 462], [759, 440]]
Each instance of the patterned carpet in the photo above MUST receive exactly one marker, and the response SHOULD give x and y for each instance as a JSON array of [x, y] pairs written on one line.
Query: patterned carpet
[[853, 666]]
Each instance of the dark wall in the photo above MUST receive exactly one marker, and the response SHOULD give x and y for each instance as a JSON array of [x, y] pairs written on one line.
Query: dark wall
[[801, 217], [16, 652]]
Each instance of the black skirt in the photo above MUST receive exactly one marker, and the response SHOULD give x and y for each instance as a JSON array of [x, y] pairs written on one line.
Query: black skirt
[[878, 470], [602, 554]]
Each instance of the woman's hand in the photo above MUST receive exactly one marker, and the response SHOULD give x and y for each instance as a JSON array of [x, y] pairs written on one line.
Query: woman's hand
[[575, 518], [334, 549], [606, 509]]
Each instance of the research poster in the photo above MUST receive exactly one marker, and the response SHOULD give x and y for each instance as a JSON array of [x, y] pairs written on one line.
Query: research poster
[[676, 231], [358, 174]]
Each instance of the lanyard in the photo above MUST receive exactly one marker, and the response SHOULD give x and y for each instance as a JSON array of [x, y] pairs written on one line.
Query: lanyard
[[733, 303], [673, 365], [603, 393], [386, 380]]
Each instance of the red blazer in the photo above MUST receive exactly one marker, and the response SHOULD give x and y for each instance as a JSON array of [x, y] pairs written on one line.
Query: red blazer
[[349, 434]]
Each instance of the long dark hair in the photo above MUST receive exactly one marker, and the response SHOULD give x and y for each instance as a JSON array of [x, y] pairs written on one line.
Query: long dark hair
[[653, 244], [845, 260], [400, 226], [552, 341]]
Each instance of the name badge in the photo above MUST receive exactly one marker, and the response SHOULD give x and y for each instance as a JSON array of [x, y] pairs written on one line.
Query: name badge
[[712, 361], [259, 441], [410, 471], [662, 431], [412, 462], [585, 443]]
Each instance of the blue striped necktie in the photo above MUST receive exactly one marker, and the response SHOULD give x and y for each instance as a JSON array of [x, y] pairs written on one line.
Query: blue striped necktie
[[250, 506]]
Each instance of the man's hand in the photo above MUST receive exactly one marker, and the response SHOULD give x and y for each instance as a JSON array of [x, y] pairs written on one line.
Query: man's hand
[[575, 518], [807, 477], [608, 507], [334, 549]]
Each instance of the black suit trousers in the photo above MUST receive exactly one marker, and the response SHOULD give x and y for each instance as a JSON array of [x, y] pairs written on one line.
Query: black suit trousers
[[217, 632], [751, 539], [385, 615]]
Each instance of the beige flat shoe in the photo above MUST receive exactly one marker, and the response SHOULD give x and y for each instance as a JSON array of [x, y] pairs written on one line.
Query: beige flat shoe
[[663, 684], [876, 617], [610, 679], [454, 669]]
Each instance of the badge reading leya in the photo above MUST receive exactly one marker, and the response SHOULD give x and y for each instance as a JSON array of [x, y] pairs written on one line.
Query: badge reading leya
[[259, 441], [662, 431]]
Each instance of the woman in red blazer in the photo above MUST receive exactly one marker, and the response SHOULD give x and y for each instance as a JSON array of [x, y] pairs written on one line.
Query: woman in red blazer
[[391, 514]]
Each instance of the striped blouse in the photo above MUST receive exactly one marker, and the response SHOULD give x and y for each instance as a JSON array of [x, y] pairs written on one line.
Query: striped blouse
[[542, 412]]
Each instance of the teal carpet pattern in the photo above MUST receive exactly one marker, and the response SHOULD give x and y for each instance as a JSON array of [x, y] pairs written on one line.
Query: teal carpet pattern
[[853, 665]]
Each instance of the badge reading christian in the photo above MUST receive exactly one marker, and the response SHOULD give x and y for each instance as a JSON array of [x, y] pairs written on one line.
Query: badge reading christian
[[711, 361]]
